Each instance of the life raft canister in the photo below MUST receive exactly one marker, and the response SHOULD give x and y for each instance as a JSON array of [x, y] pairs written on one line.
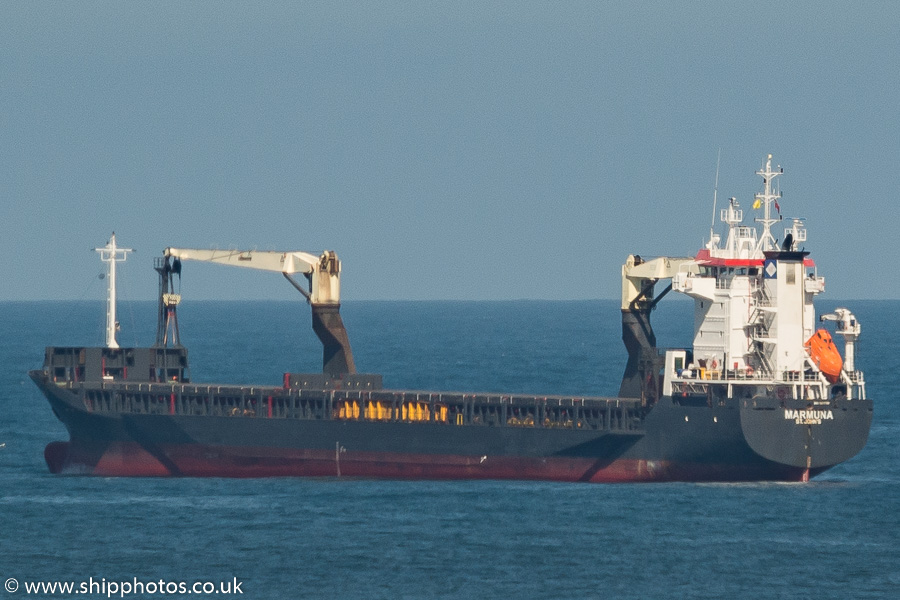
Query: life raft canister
[[825, 355]]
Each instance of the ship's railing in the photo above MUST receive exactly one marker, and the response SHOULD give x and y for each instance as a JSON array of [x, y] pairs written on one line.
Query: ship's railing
[[783, 390], [704, 374], [743, 375], [856, 377], [450, 408], [690, 387], [801, 376]]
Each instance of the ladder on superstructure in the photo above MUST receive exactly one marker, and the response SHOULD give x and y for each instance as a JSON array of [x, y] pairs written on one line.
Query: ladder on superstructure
[[760, 323]]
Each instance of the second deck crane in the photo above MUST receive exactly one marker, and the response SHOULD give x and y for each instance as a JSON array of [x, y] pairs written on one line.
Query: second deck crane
[[323, 273]]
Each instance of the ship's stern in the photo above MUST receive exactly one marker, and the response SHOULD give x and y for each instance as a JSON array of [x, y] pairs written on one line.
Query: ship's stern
[[805, 435]]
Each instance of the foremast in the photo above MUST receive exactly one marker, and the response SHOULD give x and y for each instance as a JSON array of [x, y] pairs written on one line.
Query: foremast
[[112, 254]]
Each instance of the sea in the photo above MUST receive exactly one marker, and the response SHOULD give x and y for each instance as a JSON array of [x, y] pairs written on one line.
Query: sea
[[837, 536]]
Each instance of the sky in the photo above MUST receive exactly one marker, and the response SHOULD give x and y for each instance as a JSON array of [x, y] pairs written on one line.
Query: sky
[[458, 150]]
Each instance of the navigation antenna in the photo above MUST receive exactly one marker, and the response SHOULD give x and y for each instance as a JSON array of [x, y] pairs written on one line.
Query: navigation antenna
[[712, 223], [767, 241], [112, 254]]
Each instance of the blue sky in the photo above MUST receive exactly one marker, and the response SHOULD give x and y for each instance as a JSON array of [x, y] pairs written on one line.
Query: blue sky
[[462, 150]]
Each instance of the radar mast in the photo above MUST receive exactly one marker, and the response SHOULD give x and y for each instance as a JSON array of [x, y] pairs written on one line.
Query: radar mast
[[766, 199]]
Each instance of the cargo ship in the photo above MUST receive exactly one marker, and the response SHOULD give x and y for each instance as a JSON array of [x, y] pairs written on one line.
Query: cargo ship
[[762, 394]]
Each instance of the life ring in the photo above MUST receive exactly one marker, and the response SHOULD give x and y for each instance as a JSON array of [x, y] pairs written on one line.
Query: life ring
[[714, 364], [749, 371]]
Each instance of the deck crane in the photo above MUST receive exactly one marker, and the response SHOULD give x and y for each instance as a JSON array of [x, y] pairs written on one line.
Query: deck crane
[[849, 328], [639, 278], [324, 294]]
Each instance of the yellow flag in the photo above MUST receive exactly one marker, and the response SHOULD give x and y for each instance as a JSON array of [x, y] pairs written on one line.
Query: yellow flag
[[756, 204]]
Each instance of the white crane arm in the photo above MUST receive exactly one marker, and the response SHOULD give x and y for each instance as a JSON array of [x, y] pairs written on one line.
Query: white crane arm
[[324, 271], [846, 321], [637, 273], [265, 260]]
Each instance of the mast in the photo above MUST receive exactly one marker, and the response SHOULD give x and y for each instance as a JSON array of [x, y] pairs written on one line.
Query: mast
[[712, 225], [767, 241], [112, 254]]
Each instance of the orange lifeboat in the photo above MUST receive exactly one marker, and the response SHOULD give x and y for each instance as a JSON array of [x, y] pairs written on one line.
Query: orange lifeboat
[[825, 355]]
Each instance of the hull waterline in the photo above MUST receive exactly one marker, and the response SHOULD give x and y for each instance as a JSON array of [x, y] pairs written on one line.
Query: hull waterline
[[672, 443]]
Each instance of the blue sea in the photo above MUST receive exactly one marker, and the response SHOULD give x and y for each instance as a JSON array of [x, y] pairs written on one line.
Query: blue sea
[[835, 537]]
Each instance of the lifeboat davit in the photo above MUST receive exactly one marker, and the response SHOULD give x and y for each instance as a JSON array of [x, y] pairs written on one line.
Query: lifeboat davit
[[825, 355]]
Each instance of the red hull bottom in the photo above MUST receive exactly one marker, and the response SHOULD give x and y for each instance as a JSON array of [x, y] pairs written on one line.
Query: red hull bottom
[[128, 459]]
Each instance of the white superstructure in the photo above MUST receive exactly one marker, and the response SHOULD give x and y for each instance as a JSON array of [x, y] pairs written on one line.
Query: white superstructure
[[754, 319]]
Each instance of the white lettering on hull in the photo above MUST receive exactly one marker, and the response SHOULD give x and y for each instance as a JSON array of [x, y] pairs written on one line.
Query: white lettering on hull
[[808, 417]]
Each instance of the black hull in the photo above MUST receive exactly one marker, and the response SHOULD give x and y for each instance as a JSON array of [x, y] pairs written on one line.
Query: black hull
[[665, 442]]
